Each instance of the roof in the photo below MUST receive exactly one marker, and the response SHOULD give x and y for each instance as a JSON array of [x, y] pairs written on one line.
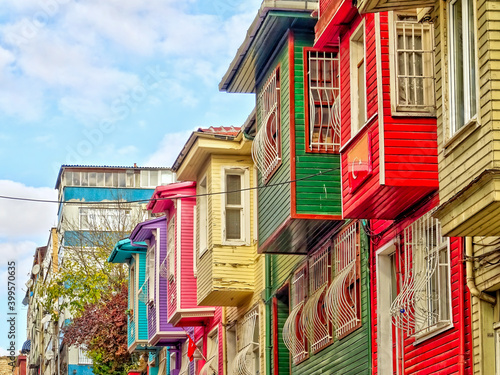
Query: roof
[[83, 166], [124, 250], [221, 130], [273, 20], [142, 231], [160, 201]]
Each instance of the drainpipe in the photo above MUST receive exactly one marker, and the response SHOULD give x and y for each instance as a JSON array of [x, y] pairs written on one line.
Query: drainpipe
[[461, 316], [168, 361], [268, 313], [471, 284]]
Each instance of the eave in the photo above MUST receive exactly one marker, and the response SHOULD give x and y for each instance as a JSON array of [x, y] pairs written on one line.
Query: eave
[[272, 21]]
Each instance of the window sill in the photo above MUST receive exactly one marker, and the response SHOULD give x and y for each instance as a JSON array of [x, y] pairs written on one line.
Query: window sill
[[408, 113], [235, 243], [438, 329], [460, 136]]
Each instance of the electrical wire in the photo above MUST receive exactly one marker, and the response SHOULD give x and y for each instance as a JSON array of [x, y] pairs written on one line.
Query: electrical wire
[[176, 197]]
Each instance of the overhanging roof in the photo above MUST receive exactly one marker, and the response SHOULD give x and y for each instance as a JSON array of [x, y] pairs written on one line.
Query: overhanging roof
[[272, 21], [124, 250], [163, 196], [142, 231]]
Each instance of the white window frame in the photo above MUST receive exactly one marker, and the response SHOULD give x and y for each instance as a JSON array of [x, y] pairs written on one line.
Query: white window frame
[[414, 305], [150, 272], [266, 149], [470, 81], [132, 289], [83, 358], [171, 248], [318, 331], [357, 49], [184, 370], [398, 22], [247, 360], [298, 348], [325, 95], [244, 206], [202, 204], [211, 366]]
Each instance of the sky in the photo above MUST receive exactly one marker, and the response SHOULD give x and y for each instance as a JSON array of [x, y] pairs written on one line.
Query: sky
[[113, 82]]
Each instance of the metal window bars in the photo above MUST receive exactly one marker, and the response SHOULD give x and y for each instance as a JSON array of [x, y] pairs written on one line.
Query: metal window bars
[[184, 370], [342, 299], [171, 249], [211, 366], [164, 268], [142, 295], [150, 273], [83, 359], [314, 319], [414, 65], [294, 336], [245, 361], [324, 101], [266, 149], [162, 359], [423, 301]]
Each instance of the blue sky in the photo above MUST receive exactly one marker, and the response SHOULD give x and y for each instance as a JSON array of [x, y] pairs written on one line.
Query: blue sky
[[108, 83]]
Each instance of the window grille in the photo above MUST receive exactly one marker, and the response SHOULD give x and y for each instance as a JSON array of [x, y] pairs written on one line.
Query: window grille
[[266, 146], [83, 359], [324, 101], [315, 321], [171, 249], [211, 366], [162, 366], [294, 336], [414, 65], [423, 303], [150, 273], [142, 295], [246, 361], [184, 370], [342, 297]]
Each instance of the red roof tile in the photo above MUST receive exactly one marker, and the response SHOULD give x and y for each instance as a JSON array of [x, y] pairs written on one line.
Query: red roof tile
[[221, 130]]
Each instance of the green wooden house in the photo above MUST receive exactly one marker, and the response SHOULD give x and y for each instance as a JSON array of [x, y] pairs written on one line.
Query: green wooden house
[[317, 311]]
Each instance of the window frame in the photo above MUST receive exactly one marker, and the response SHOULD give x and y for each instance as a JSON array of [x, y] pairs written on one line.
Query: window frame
[[244, 206], [470, 82], [151, 272], [354, 50], [428, 64], [266, 146], [310, 104], [171, 248], [202, 206]]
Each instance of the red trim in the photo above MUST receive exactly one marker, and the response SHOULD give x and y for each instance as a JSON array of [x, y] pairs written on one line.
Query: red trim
[[461, 308], [316, 216], [291, 70], [275, 336]]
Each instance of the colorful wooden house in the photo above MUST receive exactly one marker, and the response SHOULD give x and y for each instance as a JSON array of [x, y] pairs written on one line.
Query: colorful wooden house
[[135, 257], [387, 96], [230, 273], [420, 318], [317, 299], [153, 290], [178, 269]]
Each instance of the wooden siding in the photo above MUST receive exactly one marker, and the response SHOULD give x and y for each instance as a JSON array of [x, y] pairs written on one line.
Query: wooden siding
[[438, 354], [141, 313], [132, 289], [486, 272], [226, 273], [474, 148], [274, 202], [172, 284], [161, 282], [320, 194], [152, 320]]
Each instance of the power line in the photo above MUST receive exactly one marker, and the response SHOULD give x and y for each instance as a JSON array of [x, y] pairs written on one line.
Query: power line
[[177, 197]]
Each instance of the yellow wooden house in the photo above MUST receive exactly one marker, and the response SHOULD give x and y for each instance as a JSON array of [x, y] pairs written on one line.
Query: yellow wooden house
[[229, 270]]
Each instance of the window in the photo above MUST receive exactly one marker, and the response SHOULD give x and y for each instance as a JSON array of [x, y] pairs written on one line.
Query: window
[[412, 68], [315, 320], [171, 249], [150, 272], [162, 361], [236, 205], [324, 101], [247, 359], [104, 219], [211, 366], [423, 303], [344, 294], [294, 336], [462, 60], [266, 146], [203, 216], [83, 359], [184, 370], [132, 289], [358, 80]]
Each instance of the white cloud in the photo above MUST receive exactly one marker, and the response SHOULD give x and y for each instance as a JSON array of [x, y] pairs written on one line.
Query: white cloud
[[22, 219], [4, 352], [168, 150]]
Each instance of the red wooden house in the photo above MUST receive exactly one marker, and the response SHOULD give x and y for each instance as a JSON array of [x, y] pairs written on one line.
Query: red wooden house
[[420, 309], [388, 132]]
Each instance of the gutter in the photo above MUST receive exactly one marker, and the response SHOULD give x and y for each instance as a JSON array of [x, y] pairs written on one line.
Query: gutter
[[471, 282], [269, 347]]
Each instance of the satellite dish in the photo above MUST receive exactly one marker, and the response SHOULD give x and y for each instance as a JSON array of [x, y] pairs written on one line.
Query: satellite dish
[[29, 283], [36, 269], [46, 319], [49, 355]]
